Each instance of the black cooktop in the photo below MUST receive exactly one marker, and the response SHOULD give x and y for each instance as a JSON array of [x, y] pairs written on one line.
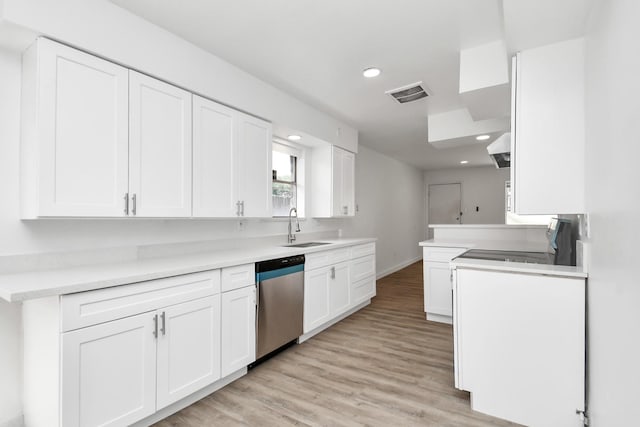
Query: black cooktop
[[509, 256]]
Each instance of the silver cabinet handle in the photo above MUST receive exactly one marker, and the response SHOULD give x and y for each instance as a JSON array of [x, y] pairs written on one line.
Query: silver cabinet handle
[[134, 201], [242, 204], [126, 203], [155, 326], [238, 208], [333, 272], [345, 210], [163, 328]]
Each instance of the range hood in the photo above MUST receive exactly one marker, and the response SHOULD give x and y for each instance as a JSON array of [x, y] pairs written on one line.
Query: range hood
[[500, 151]]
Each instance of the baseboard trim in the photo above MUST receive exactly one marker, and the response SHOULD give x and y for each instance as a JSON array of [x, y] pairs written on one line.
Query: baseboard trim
[[17, 421], [189, 400], [397, 267], [440, 318], [332, 322]]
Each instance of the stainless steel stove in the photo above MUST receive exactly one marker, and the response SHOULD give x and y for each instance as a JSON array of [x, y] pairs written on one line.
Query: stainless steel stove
[[509, 256]]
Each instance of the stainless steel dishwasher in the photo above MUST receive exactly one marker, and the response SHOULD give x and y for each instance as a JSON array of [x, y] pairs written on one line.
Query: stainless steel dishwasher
[[280, 303]]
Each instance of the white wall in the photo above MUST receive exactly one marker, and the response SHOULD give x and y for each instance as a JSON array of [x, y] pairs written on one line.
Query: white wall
[[390, 200], [105, 29], [613, 201], [481, 186]]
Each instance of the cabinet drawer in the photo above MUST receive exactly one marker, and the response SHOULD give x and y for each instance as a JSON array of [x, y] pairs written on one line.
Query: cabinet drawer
[[363, 250], [238, 277], [90, 308], [441, 254], [363, 290], [324, 258], [363, 267]]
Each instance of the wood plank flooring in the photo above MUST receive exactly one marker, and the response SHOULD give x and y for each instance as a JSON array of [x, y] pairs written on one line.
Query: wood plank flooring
[[383, 366]]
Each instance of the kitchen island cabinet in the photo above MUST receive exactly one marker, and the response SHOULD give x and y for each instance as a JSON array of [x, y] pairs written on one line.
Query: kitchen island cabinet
[[519, 343]]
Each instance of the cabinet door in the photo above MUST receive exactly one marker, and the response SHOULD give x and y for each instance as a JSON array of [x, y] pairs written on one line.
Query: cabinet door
[[238, 329], [343, 182], [160, 148], [109, 373], [254, 166], [549, 130], [437, 288], [521, 345], [82, 132], [339, 289], [363, 290], [214, 171], [188, 348], [316, 298]]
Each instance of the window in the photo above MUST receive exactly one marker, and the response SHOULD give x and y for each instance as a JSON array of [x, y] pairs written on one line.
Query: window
[[286, 166]]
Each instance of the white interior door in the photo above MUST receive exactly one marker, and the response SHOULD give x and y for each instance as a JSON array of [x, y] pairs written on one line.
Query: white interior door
[[160, 147], [214, 182], [188, 348], [83, 104], [445, 204]]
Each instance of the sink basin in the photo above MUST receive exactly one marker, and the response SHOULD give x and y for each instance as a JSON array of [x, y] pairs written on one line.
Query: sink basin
[[307, 245]]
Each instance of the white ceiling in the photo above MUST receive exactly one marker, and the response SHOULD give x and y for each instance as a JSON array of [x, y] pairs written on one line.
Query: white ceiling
[[316, 51]]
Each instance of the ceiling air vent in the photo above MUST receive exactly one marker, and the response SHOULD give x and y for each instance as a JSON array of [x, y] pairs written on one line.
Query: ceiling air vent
[[408, 93]]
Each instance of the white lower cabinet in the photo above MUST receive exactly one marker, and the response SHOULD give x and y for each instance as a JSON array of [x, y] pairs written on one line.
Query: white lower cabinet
[[238, 329], [333, 288], [438, 297], [109, 373], [121, 371], [326, 294], [316, 298], [519, 345], [188, 348]]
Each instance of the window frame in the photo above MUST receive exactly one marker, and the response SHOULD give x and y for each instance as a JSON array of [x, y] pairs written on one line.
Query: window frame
[[298, 153]]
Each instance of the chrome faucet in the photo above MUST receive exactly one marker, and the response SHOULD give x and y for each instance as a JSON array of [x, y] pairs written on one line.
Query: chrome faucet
[[291, 238]]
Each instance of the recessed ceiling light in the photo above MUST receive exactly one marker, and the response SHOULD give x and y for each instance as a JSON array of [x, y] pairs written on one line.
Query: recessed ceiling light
[[371, 72], [294, 137], [464, 162], [483, 137]]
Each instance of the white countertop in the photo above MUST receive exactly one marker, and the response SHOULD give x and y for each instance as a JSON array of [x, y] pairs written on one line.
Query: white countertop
[[491, 226], [520, 267], [38, 284], [502, 245], [505, 245]]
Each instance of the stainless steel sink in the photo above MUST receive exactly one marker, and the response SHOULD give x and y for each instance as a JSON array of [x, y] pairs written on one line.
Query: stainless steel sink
[[307, 245]]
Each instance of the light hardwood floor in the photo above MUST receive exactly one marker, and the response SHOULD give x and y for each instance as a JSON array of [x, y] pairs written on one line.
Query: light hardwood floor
[[383, 366]]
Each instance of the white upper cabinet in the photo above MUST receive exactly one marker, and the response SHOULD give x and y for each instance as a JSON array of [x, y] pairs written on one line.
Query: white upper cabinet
[[343, 182], [231, 162], [75, 142], [100, 140], [254, 166], [548, 129], [333, 182], [160, 148], [214, 158]]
